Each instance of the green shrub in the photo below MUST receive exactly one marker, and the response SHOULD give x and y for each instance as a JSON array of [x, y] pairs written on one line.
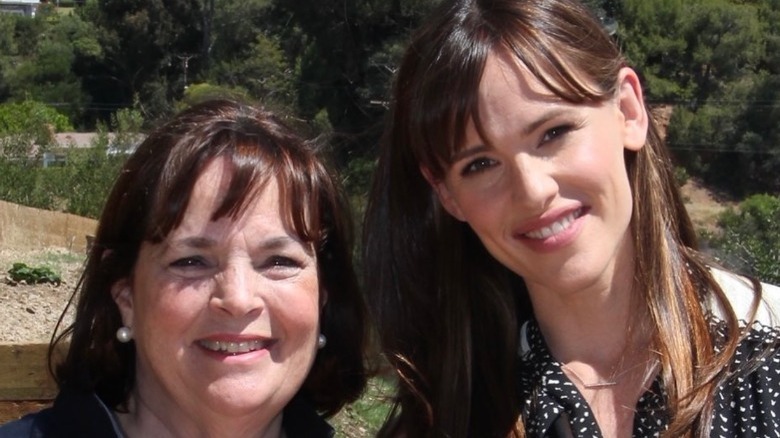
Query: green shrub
[[21, 273], [681, 176], [750, 241]]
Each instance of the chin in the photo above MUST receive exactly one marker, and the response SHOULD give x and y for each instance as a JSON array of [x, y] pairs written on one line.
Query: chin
[[242, 395]]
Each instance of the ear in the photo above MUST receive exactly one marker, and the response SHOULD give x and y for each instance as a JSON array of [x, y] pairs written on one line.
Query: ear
[[323, 298], [443, 193], [632, 107], [122, 292]]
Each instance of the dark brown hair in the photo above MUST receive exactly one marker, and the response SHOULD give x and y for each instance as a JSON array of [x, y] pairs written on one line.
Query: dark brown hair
[[447, 312], [149, 200]]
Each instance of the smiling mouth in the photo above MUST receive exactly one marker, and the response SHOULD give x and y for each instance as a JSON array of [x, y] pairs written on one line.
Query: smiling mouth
[[234, 348], [556, 227]]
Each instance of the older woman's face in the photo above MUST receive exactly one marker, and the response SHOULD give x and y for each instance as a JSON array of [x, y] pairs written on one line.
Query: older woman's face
[[224, 313]]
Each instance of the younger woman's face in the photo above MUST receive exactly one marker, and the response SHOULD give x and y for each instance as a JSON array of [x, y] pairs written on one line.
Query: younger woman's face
[[546, 190], [225, 313]]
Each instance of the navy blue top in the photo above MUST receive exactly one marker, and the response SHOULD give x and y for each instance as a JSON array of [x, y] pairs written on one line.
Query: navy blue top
[[75, 414]]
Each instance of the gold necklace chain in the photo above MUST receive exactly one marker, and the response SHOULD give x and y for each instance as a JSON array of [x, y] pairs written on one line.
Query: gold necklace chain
[[613, 380], [596, 385]]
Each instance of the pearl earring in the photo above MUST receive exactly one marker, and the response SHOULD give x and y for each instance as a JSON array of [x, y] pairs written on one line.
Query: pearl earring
[[124, 334], [322, 341]]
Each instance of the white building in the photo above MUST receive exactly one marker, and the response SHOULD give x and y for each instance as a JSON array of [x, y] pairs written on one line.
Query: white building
[[21, 7]]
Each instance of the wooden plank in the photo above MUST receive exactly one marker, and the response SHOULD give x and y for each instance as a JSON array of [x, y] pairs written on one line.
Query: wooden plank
[[13, 410], [24, 373]]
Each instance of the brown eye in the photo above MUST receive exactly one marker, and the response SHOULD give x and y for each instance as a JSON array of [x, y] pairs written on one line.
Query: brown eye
[[189, 262], [477, 165], [556, 132]]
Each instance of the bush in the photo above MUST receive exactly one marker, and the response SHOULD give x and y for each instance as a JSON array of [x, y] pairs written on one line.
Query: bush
[[21, 273], [681, 176], [750, 241]]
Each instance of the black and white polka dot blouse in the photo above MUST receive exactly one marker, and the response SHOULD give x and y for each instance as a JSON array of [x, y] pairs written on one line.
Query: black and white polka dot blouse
[[746, 406]]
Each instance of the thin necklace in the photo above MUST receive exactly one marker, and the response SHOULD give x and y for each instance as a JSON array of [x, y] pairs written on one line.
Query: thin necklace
[[595, 385], [601, 384]]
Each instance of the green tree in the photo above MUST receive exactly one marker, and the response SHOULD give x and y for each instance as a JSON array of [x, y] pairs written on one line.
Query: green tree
[[41, 55], [688, 50], [263, 70], [725, 41], [651, 34], [149, 46], [204, 91], [347, 52], [27, 128]]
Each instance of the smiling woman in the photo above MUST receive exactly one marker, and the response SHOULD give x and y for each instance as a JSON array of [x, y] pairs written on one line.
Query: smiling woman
[[219, 297], [533, 267]]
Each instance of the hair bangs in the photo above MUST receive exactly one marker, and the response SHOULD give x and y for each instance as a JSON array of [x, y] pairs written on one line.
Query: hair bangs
[[540, 37], [253, 157], [443, 103]]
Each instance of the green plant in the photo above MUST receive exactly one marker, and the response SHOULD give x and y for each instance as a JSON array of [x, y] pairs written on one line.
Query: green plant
[[21, 273], [365, 416], [681, 176], [750, 241]]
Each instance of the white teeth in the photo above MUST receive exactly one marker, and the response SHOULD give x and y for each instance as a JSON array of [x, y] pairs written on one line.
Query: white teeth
[[232, 347], [555, 227]]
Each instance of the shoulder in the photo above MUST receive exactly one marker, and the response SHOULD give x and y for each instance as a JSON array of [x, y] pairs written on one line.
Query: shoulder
[[300, 419], [741, 293], [38, 424], [73, 414]]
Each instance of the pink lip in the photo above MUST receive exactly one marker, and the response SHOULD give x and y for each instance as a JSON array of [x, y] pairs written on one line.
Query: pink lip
[[233, 347], [547, 218], [554, 242]]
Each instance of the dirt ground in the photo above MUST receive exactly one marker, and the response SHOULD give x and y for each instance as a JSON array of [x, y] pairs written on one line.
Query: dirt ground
[[703, 205], [29, 313]]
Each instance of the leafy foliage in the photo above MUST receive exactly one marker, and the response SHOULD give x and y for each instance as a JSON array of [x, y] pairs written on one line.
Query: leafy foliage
[[81, 185], [26, 124], [45, 53], [21, 273], [751, 237]]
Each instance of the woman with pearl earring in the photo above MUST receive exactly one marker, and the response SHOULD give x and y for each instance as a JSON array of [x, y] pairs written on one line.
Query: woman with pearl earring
[[221, 262]]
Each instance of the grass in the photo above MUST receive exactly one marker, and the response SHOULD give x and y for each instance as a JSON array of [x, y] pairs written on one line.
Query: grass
[[59, 259], [364, 417]]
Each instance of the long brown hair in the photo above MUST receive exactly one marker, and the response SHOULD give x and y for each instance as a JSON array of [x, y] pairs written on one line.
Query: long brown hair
[[148, 201], [447, 311]]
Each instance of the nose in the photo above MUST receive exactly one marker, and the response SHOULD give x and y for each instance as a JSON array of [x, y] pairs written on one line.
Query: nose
[[533, 183], [236, 291]]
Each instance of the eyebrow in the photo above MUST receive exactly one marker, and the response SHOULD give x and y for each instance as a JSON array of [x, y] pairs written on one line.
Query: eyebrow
[[526, 131], [199, 242], [194, 242]]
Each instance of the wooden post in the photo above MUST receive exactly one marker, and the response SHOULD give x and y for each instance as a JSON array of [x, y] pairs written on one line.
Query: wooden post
[[24, 373]]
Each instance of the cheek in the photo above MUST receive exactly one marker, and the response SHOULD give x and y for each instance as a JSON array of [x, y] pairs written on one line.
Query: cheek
[[482, 210], [169, 307], [296, 310]]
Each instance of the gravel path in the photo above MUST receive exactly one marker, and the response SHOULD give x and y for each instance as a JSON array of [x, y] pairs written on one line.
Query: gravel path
[[29, 313]]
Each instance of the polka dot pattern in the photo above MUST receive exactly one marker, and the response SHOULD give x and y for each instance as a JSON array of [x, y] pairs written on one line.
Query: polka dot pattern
[[746, 405]]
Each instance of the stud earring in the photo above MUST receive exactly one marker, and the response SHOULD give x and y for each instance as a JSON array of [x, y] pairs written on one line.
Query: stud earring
[[124, 334], [322, 341]]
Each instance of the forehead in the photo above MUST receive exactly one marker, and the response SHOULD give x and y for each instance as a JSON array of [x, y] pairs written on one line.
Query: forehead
[[509, 98], [212, 189], [505, 78]]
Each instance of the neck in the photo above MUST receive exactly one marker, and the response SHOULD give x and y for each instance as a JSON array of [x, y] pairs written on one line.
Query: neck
[[151, 419], [596, 324]]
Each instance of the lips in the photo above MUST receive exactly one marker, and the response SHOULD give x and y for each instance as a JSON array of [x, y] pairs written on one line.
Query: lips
[[556, 227], [235, 347]]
